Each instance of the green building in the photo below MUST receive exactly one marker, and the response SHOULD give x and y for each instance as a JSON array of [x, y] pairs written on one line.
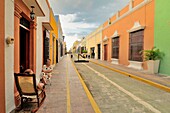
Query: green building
[[162, 33]]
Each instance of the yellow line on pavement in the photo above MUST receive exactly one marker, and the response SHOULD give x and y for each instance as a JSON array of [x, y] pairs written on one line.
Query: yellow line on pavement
[[68, 91], [92, 101], [162, 87], [135, 98]]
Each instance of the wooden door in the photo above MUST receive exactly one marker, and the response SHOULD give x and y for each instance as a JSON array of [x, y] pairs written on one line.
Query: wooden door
[[105, 52], [24, 49], [56, 51]]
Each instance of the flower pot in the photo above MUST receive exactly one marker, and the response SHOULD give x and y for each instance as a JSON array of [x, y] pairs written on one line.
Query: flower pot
[[153, 66]]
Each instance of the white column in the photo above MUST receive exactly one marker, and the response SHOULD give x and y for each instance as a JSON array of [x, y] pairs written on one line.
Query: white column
[[9, 56]]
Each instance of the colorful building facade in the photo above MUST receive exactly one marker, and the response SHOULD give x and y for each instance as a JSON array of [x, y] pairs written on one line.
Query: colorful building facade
[[53, 40], [161, 33], [24, 38], [43, 29], [94, 43], [75, 47], [128, 32], [25, 49], [140, 25], [60, 38]]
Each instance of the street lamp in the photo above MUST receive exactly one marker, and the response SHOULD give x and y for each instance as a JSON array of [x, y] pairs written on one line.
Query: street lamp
[[63, 38], [32, 14]]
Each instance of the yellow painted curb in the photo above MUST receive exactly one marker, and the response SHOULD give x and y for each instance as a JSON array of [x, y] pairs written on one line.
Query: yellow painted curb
[[92, 101], [162, 87]]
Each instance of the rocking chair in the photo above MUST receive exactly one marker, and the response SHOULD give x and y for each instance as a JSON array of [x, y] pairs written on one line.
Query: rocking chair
[[28, 91]]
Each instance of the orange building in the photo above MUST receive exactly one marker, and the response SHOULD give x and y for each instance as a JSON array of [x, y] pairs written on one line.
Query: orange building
[[19, 43], [25, 37], [128, 32]]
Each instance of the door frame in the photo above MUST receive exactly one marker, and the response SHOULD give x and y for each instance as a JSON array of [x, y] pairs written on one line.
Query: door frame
[[27, 44]]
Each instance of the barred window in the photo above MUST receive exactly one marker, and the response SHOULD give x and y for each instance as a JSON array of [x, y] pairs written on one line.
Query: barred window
[[115, 47], [136, 45]]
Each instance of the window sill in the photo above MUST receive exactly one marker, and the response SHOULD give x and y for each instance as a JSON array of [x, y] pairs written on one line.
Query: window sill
[[114, 61], [136, 65]]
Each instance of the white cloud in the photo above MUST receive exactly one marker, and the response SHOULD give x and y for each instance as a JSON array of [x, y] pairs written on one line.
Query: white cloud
[[80, 17], [73, 28], [70, 40], [68, 23]]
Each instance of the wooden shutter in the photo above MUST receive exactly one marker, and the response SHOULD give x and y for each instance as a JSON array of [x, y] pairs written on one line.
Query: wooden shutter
[[136, 45], [115, 47]]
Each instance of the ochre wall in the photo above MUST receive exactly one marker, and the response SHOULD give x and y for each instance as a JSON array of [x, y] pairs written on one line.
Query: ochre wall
[[124, 10], [93, 39], [55, 32], [137, 2], [145, 15]]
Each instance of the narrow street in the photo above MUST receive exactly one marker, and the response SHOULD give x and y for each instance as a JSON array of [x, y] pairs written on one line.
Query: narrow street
[[66, 94], [116, 93], [84, 56]]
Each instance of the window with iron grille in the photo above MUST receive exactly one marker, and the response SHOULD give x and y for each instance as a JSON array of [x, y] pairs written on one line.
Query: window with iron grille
[[115, 47], [136, 45]]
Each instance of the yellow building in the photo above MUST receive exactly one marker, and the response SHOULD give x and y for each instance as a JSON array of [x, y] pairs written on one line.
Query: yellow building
[[94, 42], [53, 50], [75, 46]]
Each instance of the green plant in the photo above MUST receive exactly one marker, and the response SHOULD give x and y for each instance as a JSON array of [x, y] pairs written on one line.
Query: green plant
[[153, 54], [84, 51]]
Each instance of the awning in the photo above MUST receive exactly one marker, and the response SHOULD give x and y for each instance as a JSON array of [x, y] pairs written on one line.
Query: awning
[[137, 26], [37, 10], [47, 25]]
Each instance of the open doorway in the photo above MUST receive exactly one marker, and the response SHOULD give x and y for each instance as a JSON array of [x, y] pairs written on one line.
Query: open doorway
[[92, 52], [105, 52], [24, 48], [98, 51], [24, 44], [46, 46], [53, 49], [56, 51]]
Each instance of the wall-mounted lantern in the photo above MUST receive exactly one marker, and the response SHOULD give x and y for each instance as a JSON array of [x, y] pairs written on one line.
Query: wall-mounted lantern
[[32, 14], [63, 38]]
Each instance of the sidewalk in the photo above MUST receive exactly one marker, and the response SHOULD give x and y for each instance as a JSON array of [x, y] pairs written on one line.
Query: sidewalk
[[66, 93], [160, 79]]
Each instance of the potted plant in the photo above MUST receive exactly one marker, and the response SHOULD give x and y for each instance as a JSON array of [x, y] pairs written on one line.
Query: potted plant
[[152, 57], [84, 52]]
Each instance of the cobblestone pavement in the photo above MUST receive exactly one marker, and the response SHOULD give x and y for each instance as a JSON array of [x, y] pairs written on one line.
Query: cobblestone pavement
[[158, 78], [58, 99], [116, 93]]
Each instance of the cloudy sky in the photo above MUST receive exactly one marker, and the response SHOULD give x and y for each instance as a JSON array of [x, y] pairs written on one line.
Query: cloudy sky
[[80, 17]]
